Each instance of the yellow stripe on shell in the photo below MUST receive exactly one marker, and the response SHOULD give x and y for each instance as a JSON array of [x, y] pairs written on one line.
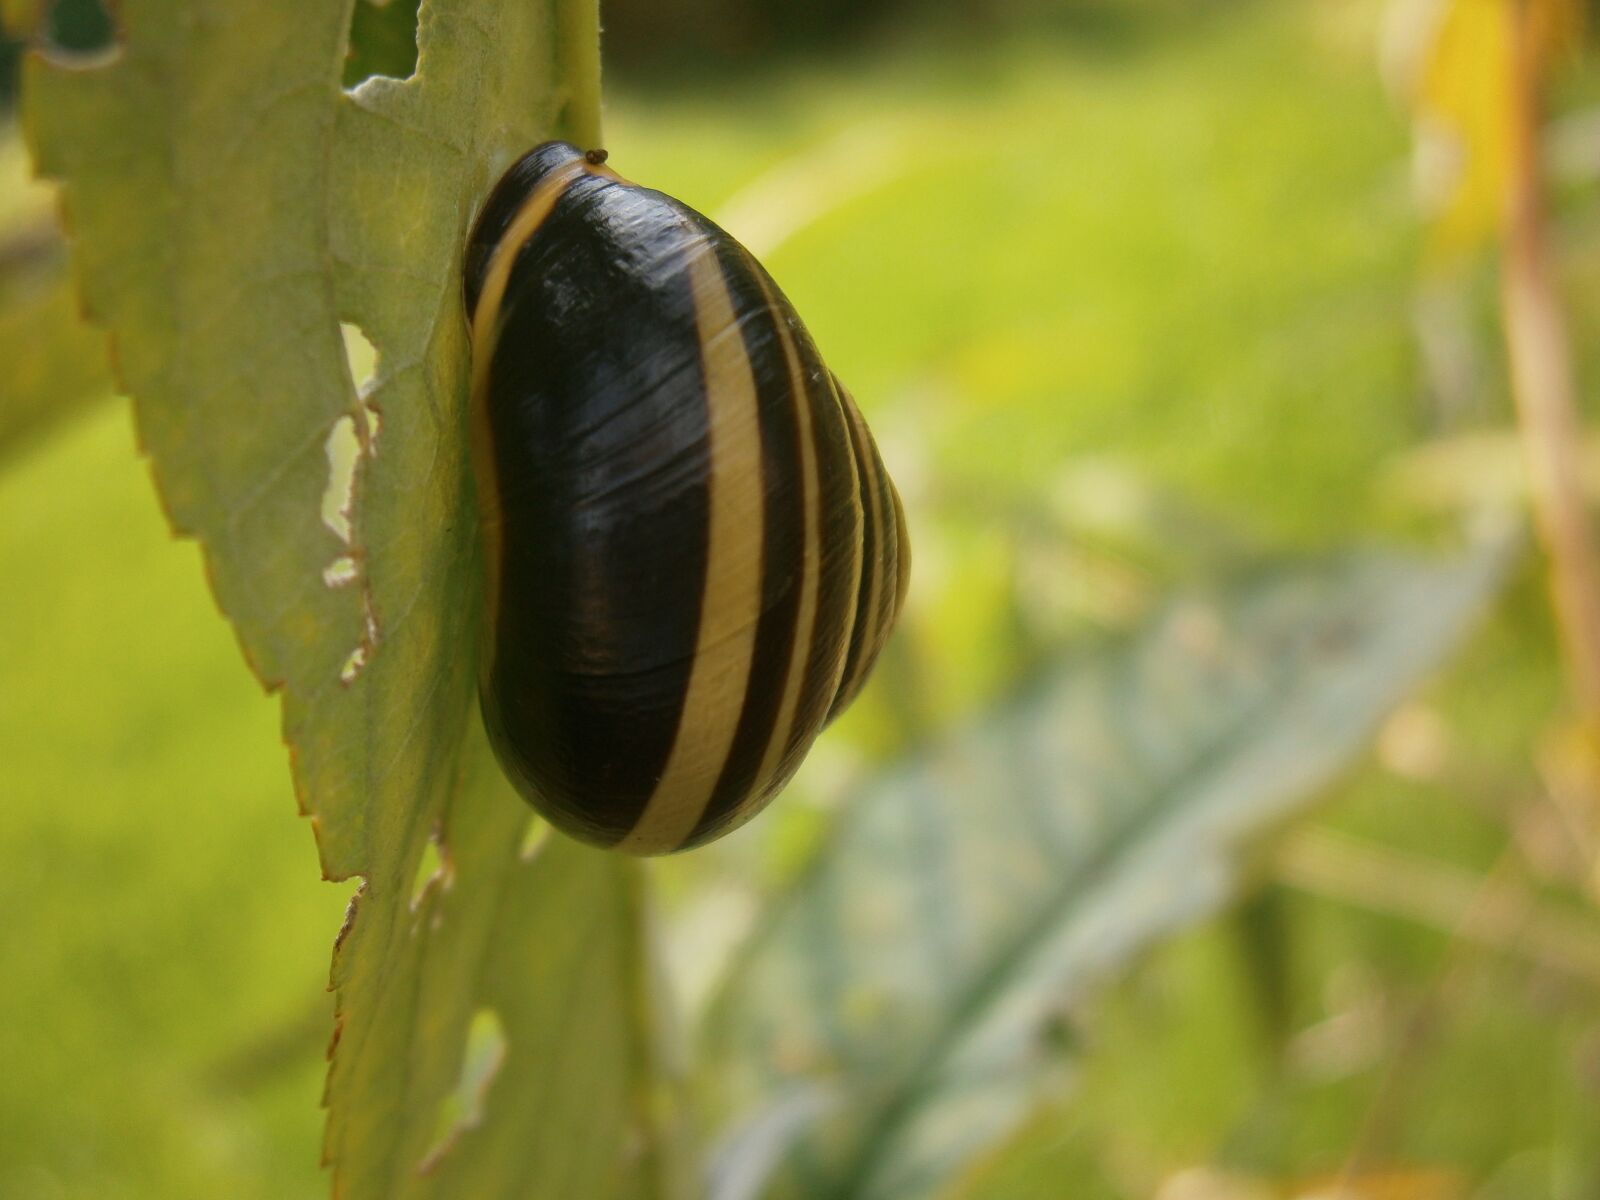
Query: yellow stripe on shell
[[811, 564], [485, 321], [871, 493], [533, 213], [731, 602]]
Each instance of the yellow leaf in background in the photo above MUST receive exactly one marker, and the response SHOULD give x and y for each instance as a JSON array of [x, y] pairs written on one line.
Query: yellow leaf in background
[[1463, 109], [1463, 113]]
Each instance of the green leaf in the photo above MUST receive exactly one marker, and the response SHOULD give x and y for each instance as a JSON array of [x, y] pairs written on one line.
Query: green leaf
[[919, 972], [232, 208]]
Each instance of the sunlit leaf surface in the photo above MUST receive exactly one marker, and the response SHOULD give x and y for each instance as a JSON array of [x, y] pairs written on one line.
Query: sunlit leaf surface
[[916, 982], [233, 208]]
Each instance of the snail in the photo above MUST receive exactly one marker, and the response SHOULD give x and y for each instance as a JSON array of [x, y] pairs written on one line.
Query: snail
[[693, 554]]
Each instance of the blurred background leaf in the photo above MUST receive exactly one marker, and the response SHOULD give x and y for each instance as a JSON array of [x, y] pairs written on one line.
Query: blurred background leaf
[[923, 970]]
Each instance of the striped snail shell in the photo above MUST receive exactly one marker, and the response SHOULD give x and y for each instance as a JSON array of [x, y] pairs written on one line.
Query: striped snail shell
[[693, 553]]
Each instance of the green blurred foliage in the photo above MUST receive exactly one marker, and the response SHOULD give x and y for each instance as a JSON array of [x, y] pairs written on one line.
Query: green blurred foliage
[[163, 1013], [1160, 247], [1128, 293], [663, 37]]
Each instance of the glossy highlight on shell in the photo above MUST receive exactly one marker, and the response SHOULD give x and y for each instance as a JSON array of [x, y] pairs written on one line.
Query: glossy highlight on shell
[[693, 553]]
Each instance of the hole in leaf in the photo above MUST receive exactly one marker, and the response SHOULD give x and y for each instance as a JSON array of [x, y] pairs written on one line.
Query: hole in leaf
[[79, 27], [352, 438], [335, 575], [360, 354], [341, 571], [433, 865], [354, 664], [464, 1107], [534, 835], [338, 498], [383, 40]]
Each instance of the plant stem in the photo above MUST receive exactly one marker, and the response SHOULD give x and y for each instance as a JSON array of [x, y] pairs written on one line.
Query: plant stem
[[1542, 378], [578, 64]]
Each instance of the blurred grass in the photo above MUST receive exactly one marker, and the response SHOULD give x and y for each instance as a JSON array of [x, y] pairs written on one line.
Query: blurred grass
[[166, 912], [1177, 244], [1188, 244]]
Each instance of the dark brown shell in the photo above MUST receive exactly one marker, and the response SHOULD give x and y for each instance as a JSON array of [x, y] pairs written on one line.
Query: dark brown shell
[[694, 553]]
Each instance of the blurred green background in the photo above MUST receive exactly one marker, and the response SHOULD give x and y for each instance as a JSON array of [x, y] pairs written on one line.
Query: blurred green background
[[1140, 280]]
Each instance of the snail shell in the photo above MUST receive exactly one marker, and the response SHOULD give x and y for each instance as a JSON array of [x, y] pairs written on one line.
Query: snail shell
[[693, 553]]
